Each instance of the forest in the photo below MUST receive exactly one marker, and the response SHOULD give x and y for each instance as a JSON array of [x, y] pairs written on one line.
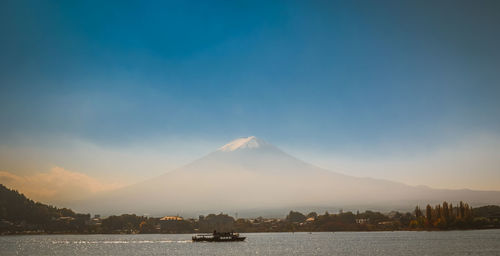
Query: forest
[[20, 215]]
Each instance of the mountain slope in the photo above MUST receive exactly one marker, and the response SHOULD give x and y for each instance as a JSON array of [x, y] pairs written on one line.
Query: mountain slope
[[250, 173]]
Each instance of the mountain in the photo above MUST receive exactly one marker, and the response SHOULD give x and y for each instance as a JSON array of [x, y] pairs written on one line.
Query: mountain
[[250, 174]]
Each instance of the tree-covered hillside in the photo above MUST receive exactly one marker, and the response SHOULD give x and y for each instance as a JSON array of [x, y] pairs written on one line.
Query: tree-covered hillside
[[20, 213]]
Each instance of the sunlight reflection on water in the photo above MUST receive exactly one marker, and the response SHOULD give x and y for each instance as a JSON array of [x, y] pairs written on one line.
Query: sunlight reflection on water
[[479, 242]]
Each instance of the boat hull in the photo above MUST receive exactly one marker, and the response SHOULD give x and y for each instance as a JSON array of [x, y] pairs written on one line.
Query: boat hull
[[212, 239]]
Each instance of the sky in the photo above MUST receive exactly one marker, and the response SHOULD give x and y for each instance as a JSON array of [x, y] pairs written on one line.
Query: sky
[[119, 91]]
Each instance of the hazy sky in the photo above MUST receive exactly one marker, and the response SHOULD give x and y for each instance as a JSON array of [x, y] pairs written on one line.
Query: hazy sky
[[404, 90]]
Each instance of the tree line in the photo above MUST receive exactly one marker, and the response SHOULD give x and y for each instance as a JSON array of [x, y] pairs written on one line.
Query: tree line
[[444, 216], [19, 214]]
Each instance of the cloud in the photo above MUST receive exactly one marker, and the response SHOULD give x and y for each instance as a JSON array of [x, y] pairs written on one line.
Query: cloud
[[125, 164], [57, 185]]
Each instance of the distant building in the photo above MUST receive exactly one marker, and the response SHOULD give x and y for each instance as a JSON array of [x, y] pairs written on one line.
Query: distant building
[[386, 223], [171, 218], [95, 221], [362, 221], [172, 224], [66, 219], [5, 223]]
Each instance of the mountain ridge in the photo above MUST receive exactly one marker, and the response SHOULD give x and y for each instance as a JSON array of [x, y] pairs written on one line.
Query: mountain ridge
[[249, 173]]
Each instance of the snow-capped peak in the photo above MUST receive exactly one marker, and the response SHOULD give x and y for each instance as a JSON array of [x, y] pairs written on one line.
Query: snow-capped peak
[[240, 143]]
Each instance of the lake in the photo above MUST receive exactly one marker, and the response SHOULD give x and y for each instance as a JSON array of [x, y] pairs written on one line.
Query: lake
[[476, 242]]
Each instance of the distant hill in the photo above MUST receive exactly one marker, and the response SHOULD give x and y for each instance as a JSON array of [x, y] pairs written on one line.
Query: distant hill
[[489, 211], [18, 211], [251, 175]]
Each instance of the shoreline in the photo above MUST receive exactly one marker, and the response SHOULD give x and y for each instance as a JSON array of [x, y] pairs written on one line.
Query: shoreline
[[270, 232]]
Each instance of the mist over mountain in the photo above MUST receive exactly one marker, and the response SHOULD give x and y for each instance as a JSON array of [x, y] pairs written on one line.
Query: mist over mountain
[[250, 175]]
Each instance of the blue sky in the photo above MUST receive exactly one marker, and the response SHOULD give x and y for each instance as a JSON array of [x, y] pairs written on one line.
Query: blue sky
[[362, 77]]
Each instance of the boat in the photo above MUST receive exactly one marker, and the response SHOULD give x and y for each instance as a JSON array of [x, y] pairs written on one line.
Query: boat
[[218, 237]]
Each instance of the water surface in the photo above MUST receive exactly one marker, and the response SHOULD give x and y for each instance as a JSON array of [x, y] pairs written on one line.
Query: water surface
[[477, 242]]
